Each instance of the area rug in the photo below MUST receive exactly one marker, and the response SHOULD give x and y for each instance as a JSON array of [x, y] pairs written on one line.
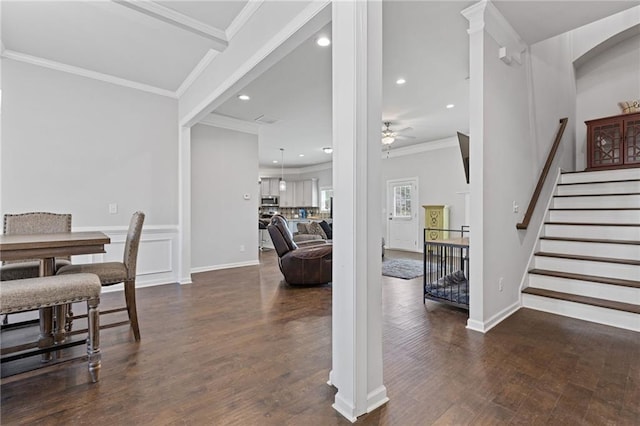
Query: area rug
[[406, 269]]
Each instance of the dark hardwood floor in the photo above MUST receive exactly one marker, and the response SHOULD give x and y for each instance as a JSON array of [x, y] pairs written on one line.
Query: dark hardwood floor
[[240, 347]]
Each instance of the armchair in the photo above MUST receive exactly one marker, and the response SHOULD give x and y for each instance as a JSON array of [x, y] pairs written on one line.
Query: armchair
[[300, 265]]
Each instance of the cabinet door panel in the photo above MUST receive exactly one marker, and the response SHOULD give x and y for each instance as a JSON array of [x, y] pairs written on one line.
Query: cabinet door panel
[[632, 141]]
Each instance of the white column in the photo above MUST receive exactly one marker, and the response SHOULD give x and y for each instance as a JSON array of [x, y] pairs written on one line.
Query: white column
[[357, 291], [184, 210], [475, 15]]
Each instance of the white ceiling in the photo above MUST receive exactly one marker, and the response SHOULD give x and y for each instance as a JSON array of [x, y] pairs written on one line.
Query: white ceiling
[[157, 46]]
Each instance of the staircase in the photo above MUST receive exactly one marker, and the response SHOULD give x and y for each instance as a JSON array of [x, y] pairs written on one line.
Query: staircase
[[588, 261]]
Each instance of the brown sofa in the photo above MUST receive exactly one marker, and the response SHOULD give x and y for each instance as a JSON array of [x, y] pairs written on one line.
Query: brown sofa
[[300, 264]]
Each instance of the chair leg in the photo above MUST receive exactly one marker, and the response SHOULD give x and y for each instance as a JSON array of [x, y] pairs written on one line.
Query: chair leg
[[93, 341], [69, 320], [130, 297]]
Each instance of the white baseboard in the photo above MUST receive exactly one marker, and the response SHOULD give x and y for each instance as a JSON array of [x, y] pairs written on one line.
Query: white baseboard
[[485, 326], [377, 398], [345, 408], [224, 266]]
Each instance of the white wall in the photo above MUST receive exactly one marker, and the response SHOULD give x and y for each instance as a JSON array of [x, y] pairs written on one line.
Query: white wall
[[441, 179], [602, 82], [72, 144], [224, 167], [507, 160]]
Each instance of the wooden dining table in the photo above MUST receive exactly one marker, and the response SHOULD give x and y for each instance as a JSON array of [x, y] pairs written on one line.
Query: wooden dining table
[[46, 247]]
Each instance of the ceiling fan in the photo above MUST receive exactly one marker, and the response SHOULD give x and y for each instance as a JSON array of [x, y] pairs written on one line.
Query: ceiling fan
[[389, 136]]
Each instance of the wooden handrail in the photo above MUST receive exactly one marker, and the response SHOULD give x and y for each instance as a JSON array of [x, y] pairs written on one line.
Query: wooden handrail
[[545, 171]]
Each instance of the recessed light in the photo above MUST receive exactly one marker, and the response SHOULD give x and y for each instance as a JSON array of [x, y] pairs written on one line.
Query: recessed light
[[244, 97], [401, 81], [300, 155], [323, 41], [275, 161], [450, 106], [327, 150]]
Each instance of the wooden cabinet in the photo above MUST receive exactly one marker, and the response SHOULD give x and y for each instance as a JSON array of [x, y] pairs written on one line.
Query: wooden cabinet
[[303, 193], [270, 187], [287, 196], [613, 142], [436, 217], [310, 193]]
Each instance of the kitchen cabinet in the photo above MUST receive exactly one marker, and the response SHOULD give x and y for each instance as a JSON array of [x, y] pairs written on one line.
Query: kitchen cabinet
[[310, 193], [301, 193], [287, 197], [613, 142], [270, 187]]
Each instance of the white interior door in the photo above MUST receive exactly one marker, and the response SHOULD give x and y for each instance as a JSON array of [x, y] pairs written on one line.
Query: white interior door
[[402, 214]]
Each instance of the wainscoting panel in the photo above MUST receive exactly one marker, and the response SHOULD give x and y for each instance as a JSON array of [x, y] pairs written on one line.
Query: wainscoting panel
[[157, 255]]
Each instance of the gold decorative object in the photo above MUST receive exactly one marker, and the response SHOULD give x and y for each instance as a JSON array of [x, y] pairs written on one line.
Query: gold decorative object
[[629, 106]]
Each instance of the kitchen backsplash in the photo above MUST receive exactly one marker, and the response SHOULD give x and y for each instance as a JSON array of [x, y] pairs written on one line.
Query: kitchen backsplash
[[294, 213]]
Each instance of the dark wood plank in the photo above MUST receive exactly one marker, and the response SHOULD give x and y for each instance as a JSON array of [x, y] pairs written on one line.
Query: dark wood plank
[[598, 182], [583, 277], [593, 301], [589, 258], [239, 346], [591, 240]]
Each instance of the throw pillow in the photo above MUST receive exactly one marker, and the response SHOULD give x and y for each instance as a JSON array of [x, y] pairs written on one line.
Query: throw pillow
[[327, 229], [302, 228], [315, 228]]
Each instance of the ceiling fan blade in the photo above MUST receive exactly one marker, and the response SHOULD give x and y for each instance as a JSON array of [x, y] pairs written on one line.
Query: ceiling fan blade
[[406, 129], [404, 137]]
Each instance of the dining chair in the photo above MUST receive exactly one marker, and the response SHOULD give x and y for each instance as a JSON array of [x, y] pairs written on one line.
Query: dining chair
[[32, 223], [111, 273]]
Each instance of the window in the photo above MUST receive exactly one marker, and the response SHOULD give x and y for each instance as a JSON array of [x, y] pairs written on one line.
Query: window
[[325, 199], [402, 201]]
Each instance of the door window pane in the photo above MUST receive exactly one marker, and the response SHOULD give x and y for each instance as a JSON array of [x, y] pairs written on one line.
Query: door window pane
[[402, 201]]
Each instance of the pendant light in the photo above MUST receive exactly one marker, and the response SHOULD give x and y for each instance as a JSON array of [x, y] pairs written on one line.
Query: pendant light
[[283, 184]]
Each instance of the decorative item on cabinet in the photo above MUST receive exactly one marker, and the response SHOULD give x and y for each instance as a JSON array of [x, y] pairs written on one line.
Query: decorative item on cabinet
[[613, 142], [436, 220]]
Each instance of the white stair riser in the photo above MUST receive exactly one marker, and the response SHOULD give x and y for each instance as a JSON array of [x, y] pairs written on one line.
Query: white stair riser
[[586, 288], [598, 269], [601, 176], [612, 317], [618, 251], [626, 233], [600, 188], [595, 216], [605, 201]]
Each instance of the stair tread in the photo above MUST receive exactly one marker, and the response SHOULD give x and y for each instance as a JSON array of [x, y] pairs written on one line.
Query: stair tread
[[592, 224], [598, 182], [577, 172], [591, 240], [589, 258], [592, 208], [593, 301], [621, 194], [583, 277]]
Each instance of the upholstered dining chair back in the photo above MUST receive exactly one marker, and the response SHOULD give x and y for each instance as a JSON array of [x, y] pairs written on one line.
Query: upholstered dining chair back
[[130, 258], [35, 223], [111, 273]]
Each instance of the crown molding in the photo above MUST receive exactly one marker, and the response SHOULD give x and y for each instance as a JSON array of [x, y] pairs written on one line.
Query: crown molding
[[484, 15], [275, 172], [58, 66], [177, 19], [451, 142], [230, 123], [243, 17], [196, 71]]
